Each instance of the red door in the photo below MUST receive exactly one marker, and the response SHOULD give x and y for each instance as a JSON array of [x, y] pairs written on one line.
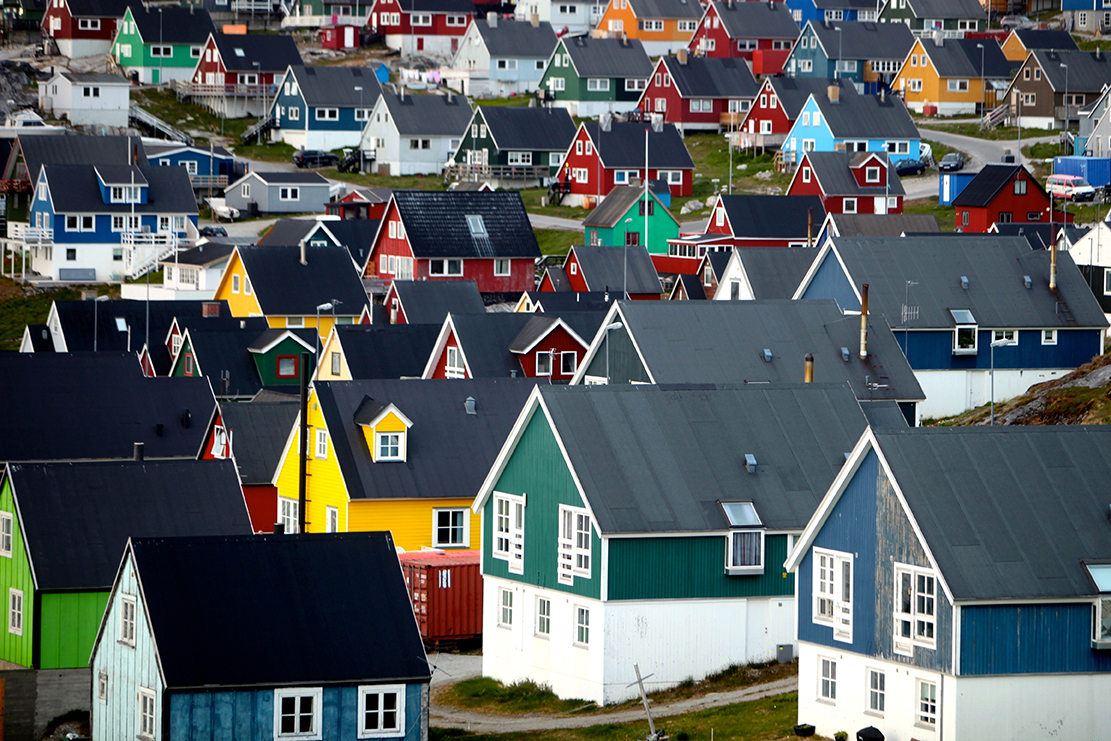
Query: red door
[[420, 43]]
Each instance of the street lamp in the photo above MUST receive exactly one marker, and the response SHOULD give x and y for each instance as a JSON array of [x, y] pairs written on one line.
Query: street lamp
[[1066, 126], [360, 89], [161, 49], [983, 92], [840, 50], [614, 325], [994, 344], [97, 300], [625, 262], [258, 81]]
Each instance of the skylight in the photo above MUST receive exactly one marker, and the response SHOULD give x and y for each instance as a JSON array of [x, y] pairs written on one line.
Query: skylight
[[121, 324], [477, 226], [741, 514], [239, 53], [962, 316], [1101, 575]]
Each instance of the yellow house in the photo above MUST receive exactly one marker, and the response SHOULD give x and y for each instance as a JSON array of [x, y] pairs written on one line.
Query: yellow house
[[376, 351], [402, 455], [663, 26], [294, 286], [956, 76], [1021, 41]]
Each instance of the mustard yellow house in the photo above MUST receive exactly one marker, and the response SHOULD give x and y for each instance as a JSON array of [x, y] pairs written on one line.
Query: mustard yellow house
[[402, 455], [294, 287], [376, 351], [955, 75], [663, 26]]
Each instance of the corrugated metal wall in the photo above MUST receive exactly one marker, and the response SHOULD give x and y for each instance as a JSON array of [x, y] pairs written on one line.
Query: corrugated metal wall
[[447, 598]]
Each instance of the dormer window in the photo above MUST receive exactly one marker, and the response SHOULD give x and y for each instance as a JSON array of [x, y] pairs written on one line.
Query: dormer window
[[964, 334], [745, 541], [1100, 574], [125, 194], [871, 174], [391, 446], [385, 429], [476, 226]]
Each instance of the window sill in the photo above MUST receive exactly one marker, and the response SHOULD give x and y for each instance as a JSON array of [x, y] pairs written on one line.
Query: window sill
[[965, 352], [926, 726], [744, 570], [826, 701], [125, 643], [874, 713]]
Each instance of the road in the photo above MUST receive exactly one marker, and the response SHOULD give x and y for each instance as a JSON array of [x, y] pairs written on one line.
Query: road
[[978, 152]]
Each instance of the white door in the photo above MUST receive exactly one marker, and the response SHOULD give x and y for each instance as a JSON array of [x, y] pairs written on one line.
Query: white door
[[349, 37], [881, 205]]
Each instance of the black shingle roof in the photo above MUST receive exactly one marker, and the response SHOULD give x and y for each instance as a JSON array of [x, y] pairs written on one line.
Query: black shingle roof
[[485, 339], [40, 337], [516, 128], [76, 189], [774, 272], [323, 588], [335, 86], [607, 57], [571, 301], [773, 217], [606, 267], [989, 181], [430, 301], [753, 20], [173, 24], [259, 431], [436, 224], [274, 53], [864, 40], [282, 177], [962, 58], [517, 38], [438, 6], [76, 517], [1088, 71], [714, 77], [836, 179], [431, 115], [867, 116], [285, 287], [204, 254], [793, 92], [357, 235], [387, 350], [1036, 38], [97, 8], [691, 284], [623, 145], [1038, 235]]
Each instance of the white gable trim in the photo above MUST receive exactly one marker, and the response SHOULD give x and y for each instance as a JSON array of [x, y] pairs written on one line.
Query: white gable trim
[[614, 314], [558, 323], [829, 246], [447, 330]]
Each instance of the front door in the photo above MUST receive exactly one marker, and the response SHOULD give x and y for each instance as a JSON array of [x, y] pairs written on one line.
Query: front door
[[349, 37], [880, 205], [154, 76]]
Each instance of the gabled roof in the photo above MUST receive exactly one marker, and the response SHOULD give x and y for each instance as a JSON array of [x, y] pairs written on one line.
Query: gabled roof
[[280, 586], [832, 170], [961, 58], [173, 24], [529, 129], [772, 217], [431, 115], [437, 224], [774, 272], [447, 450], [438, 6], [867, 116], [98, 78], [714, 77], [557, 276], [39, 336], [793, 92], [691, 284], [281, 177], [78, 150], [357, 235], [989, 181], [718, 260], [161, 150], [622, 145], [1038, 235], [947, 9], [607, 57], [1088, 71], [76, 517], [605, 267], [76, 189], [285, 287], [485, 340], [565, 301], [754, 20], [201, 255], [430, 301], [223, 357], [645, 9], [335, 86], [581, 324], [258, 431], [273, 52], [883, 225], [97, 8], [96, 406], [1036, 38], [511, 38], [387, 350], [863, 40], [617, 204]]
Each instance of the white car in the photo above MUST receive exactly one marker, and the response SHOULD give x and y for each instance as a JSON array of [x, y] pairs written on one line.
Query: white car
[[1070, 188]]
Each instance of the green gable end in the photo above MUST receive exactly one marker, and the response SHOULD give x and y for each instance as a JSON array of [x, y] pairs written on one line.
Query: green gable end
[[15, 573], [68, 623], [267, 363]]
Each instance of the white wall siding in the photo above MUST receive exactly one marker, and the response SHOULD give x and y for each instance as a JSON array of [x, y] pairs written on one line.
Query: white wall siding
[[1033, 707], [950, 392]]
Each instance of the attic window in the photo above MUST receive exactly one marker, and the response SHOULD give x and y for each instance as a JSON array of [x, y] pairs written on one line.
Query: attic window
[[477, 226], [239, 53], [1100, 575], [744, 550], [964, 334]]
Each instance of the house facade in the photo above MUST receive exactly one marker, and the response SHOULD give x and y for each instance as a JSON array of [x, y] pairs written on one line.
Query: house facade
[[957, 75], [632, 216], [776, 106], [869, 54], [82, 28], [424, 27], [954, 19], [1037, 92], [850, 182], [162, 44], [323, 108], [1007, 194], [762, 33], [501, 58], [415, 134], [513, 147], [591, 76], [662, 27], [87, 99], [236, 75], [278, 192], [710, 93], [566, 16]]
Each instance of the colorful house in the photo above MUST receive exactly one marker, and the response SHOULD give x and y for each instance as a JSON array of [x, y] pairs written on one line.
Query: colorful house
[[589, 76], [632, 216], [164, 668], [570, 17], [618, 270], [762, 33], [700, 92], [1004, 194], [1021, 41], [429, 302], [512, 147], [82, 28], [957, 76], [370, 351], [777, 106], [278, 192], [501, 58], [756, 273], [1037, 93], [424, 27], [662, 27], [208, 168], [831, 11], [869, 54], [955, 19], [160, 44], [240, 363], [236, 75], [850, 182], [415, 134], [323, 108]]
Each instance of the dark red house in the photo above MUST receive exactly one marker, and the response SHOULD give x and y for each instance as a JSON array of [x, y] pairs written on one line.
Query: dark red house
[[236, 72], [430, 301], [699, 92], [759, 32], [360, 203], [431, 27], [606, 268], [849, 182], [82, 28], [777, 105], [551, 346], [1004, 194]]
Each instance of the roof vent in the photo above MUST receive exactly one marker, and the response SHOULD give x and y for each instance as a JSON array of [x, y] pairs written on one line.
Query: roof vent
[[750, 463], [767, 355], [845, 354], [964, 282], [186, 419], [1026, 281], [469, 405]]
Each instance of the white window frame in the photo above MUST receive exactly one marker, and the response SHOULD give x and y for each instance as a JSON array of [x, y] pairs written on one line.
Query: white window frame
[[384, 444], [830, 606], [926, 711], [321, 447], [871, 174], [503, 267], [464, 527], [381, 691], [102, 686], [731, 546], [1049, 336], [15, 611], [672, 177], [877, 691], [148, 712], [920, 621], [331, 519], [848, 205], [452, 267], [582, 626], [280, 694], [505, 607], [1009, 336], [568, 368], [957, 86], [327, 114], [636, 84], [128, 612], [520, 158], [245, 190], [289, 193], [289, 515], [827, 680], [543, 363], [598, 84], [88, 24], [509, 530], [454, 367], [575, 530], [543, 617], [7, 534], [421, 19], [915, 85]]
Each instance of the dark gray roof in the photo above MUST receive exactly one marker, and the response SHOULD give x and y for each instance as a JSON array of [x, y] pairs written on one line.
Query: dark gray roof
[[773, 217], [995, 267], [447, 450], [279, 585], [204, 254], [76, 517], [173, 24], [288, 231], [517, 38], [719, 260], [775, 272], [285, 287], [225, 356], [557, 276], [583, 323], [40, 337], [793, 92], [485, 339], [659, 459], [1036, 234], [259, 431], [432, 115], [1007, 512], [97, 8], [569, 300], [753, 20], [623, 145], [692, 285], [438, 6], [606, 267], [962, 58], [884, 225], [335, 86], [724, 342], [156, 150], [357, 235], [864, 40], [607, 57], [436, 224], [1036, 38], [430, 301], [617, 204], [76, 189], [281, 177], [79, 150], [387, 350], [989, 181], [666, 9], [529, 129], [947, 9], [273, 52], [1088, 73], [95, 77], [714, 77], [867, 116], [836, 179], [120, 175]]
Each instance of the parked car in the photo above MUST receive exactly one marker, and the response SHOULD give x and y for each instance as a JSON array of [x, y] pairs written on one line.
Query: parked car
[[951, 161], [1070, 187], [1017, 21], [910, 167], [213, 231], [314, 158]]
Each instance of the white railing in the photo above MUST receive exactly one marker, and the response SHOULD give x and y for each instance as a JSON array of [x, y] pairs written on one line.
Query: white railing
[[143, 250], [24, 232]]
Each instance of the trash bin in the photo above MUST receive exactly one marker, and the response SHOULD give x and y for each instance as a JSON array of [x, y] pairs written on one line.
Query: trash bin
[[871, 733], [784, 653]]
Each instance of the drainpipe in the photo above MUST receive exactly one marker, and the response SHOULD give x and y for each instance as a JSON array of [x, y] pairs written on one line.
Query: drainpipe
[[303, 456]]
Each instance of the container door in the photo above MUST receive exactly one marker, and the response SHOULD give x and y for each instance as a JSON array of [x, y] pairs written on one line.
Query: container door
[[945, 197]]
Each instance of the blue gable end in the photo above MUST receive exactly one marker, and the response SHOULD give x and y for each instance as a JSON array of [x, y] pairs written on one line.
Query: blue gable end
[[830, 281], [288, 104], [200, 162]]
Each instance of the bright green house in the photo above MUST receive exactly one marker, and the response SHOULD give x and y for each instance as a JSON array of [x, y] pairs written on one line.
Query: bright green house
[[621, 220], [63, 527], [157, 44], [590, 76]]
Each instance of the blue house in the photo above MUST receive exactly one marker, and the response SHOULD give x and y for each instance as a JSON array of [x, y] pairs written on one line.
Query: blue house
[[870, 54], [955, 583], [99, 223], [323, 107], [969, 311], [197, 641], [213, 165]]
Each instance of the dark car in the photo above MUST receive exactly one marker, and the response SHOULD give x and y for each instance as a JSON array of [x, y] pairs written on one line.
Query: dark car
[[314, 158], [910, 167], [213, 231], [951, 161]]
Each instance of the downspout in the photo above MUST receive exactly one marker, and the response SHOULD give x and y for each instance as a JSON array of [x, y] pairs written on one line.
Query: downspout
[[303, 455]]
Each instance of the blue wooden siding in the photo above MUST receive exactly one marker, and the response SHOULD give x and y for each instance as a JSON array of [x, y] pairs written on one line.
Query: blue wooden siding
[[830, 281], [207, 163], [284, 103], [1029, 639], [106, 191], [933, 350], [622, 359]]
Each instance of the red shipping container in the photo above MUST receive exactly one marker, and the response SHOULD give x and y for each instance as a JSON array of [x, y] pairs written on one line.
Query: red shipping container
[[446, 590]]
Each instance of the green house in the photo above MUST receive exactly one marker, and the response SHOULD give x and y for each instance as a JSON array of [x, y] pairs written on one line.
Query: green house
[[63, 528], [590, 76], [240, 363], [622, 524], [513, 147], [161, 43], [953, 18], [621, 220]]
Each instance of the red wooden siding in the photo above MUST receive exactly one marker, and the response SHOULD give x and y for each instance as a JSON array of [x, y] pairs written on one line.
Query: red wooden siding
[[441, 362], [558, 340], [262, 506], [763, 110]]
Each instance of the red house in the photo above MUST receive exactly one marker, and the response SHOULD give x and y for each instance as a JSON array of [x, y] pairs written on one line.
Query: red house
[[849, 182], [1003, 194], [430, 301], [608, 153], [476, 346], [236, 72], [551, 346], [776, 107], [82, 28], [360, 203], [606, 268], [699, 92], [451, 235], [762, 33], [427, 27]]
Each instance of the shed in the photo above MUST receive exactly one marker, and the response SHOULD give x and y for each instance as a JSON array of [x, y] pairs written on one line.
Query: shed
[[950, 185], [446, 590], [342, 36]]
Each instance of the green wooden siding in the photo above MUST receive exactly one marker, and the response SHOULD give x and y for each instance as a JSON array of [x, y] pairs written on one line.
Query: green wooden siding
[[538, 470], [575, 88], [140, 56], [15, 573], [179, 367], [267, 363], [661, 227], [691, 568], [67, 627], [624, 363]]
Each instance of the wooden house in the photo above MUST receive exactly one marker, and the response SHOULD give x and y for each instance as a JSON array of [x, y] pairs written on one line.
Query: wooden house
[[954, 19], [360, 203], [759, 221], [87, 99], [512, 147], [663, 27], [700, 92], [82, 28], [355, 235], [236, 74], [850, 182], [278, 192], [759, 273], [831, 11], [373, 351], [241, 362], [323, 108], [1086, 247], [1021, 41], [1007, 194], [501, 58], [614, 269], [959, 76], [591, 76], [776, 107], [570, 17], [422, 27], [429, 302], [477, 346], [415, 134], [632, 216], [761, 33], [1037, 92], [209, 168], [869, 54], [161, 44]]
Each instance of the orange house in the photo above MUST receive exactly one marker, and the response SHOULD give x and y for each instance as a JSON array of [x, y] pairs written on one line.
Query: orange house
[[956, 76], [663, 26]]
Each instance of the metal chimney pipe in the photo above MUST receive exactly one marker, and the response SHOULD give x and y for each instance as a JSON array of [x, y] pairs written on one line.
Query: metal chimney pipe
[[304, 258], [809, 227], [138, 452], [864, 322], [809, 375], [303, 454], [1052, 262]]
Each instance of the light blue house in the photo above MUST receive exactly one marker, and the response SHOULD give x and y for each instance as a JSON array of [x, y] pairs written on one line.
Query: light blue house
[[841, 119], [167, 666], [500, 57], [323, 108], [955, 583], [869, 54]]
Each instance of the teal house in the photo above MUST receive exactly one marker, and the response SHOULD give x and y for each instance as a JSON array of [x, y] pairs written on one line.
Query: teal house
[[582, 579], [630, 217], [590, 76], [158, 44]]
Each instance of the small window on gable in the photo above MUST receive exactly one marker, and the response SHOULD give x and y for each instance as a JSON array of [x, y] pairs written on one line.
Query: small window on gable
[[1100, 574], [745, 541], [6, 524], [386, 431], [915, 609], [509, 530], [871, 174], [574, 544]]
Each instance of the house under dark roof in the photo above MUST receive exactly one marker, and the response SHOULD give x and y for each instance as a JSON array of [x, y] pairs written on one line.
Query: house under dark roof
[[273, 53], [430, 301], [715, 77], [1036, 38], [357, 235], [571, 301], [1088, 71], [947, 9], [607, 57], [113, 318], [834, 174], [518, 128], [76, 189], [864, 40], [173, 24], [226, 357], [285, 287], [335, 86], [1038, 235], [756, 20], [582, 323], [485, 340], [258, 432], [511, 38], [617, 203], [691, 285], [621, 144], [773, 217], [438, 224], [39, 338], [387, 350], [867, 116], [201, 255], [430, 115], [988, 182], [962, 58], [884, 225], [793, 92], [605, 267], [36, 151], [775, 272]]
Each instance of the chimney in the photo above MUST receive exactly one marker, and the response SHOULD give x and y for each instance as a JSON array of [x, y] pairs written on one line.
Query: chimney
[[534, 19], [279, 528], [808, 376], [304, 258], [1052, 261], [242, 323], [681, 55], [469, 405], [939, 37], [864, 322], [810, 227], [138, 453], [492, 19], [883, 95], [833, 92]]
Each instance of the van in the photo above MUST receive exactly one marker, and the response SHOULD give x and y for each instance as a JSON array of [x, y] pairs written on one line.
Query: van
[[1070, 187]]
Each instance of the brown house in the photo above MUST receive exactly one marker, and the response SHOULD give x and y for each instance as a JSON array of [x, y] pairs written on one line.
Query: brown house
[[1038, 91]]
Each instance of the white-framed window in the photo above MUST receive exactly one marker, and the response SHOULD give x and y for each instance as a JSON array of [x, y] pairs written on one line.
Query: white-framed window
[[509, 530], [295, 321], [195, 52], [505, 607], [597, 84], [381, 711], [957, 86], [806, 174], [219, 442], [568, 362], [827, 679], [744, 552], [687, 26], [650, 25], [127, 621], [702, 105], [15, 612], [848, 205], [871, 174], [450, 528], [543, 617], [1081, 20], [102, 686], [455, 20], [289, 194], [893, 147], [865, 15], [1009, 336], [915, 609], [622, 177], [520, 158], [289, 514], [886, 65], [835, 15], [557, 83], [580, 175], [7, 522], [806, 65], [245, 190], [846, 65], [671, 177], [972, 26], [543, 364], [331, 519], [450, 267], [161, 51], [88, 24], [322, 444], [1029, 98], [927, 704], [422, 19], [146, 713], [877, 691], [574, 544], [833, 592], [915, 85], [582, 626], [747, 44], [503, 266], [636, 84], [454, 366], [965, 333], [327, 114], [1049, 337], [390, 445], [297, 712], [540, 65]]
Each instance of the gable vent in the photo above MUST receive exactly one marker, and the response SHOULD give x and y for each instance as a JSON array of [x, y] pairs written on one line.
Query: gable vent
[[767, 355], [750, 463]]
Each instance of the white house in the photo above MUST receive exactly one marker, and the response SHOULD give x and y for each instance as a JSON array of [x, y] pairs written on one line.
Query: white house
[[190, 275], [571, 16], [87, 98], [415, 134], [499, 58]]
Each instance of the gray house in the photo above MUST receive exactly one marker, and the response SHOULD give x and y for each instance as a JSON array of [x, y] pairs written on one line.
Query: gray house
[[415, 134], [261, 192]]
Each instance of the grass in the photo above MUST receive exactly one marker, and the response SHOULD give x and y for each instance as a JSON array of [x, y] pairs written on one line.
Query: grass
[[945, 215], [557, 241], [1042, 150], [940, 150], [17, 310], [1003, 133], [188, 116]]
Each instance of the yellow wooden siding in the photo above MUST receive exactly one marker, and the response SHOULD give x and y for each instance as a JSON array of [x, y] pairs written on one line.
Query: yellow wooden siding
[[1014, 50], [324, 487], [325, 372], [240, 304], [390, 423], [410, 520], [934, 89]]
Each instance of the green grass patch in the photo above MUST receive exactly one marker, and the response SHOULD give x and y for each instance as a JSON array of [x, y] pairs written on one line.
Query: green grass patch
[[513, 100], [940, 150], [557, 241], [945, 215], [17, 310], [188, 116], [520, 697], [1042, 150], [156, 278], [1003, 133]]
